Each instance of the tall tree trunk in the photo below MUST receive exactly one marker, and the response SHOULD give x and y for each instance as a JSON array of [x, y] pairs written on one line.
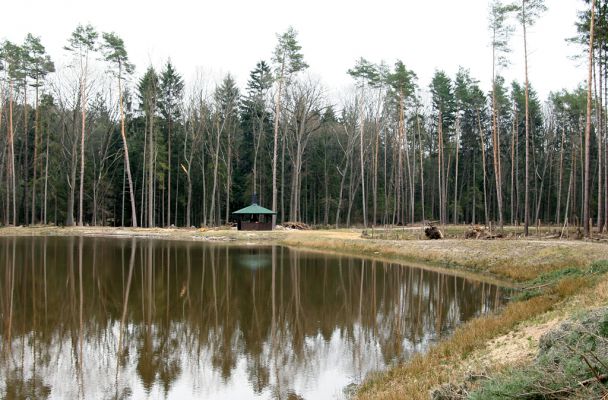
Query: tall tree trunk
[[407, 161], [440, 167], [605, 129], [455, 216], [72, 180], [275, 151], [212, 216], [542, 184], [4, 161], [342, 181], [587, 178], [46, 175], [283, 144], [83, 106], [169, 169], [35, 161], [421, 165], [126, 151], [375, 173], [496, 148], [325, 183], [151, 156], [561, 176], [26, 174], [527, 152], [6, 218], [228, 176], [361, 134], [513, 160], [599, 108], [143, 213], [11, 147], [483, 164]]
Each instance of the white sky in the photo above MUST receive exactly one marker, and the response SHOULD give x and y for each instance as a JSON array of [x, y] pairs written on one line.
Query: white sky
[[232, 35]]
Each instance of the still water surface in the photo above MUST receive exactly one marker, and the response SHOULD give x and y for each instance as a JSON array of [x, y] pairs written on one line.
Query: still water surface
[[100, 318]]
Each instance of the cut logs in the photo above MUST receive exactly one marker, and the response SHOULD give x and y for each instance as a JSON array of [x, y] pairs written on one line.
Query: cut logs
[[296, 225], [480, 232]]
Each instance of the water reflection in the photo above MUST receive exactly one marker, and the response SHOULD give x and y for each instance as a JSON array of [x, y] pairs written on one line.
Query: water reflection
[[131, 318]]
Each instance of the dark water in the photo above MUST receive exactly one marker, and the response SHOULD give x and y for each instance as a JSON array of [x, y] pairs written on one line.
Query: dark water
[[97, 318]]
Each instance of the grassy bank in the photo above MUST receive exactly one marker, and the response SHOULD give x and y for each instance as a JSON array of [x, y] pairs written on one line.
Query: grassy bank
[[517, 260]]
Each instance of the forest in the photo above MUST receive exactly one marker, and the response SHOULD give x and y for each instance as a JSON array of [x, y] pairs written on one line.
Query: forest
[[96, 144]]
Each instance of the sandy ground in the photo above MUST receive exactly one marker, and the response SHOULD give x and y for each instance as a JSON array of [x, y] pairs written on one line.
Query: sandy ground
[[517, 347]]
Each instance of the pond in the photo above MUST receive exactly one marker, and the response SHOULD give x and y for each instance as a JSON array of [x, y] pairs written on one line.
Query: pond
[[100, 318]]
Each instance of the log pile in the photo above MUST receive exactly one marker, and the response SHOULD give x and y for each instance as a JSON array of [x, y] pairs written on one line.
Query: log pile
[[480, 232], [475, 232], [295, 225]]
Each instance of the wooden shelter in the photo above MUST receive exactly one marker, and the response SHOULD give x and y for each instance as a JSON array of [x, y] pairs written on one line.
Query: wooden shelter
[[254, 218]]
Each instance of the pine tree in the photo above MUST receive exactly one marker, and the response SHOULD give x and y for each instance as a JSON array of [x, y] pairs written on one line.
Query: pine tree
[[171, 93], [12, 55], [287, 61], [500, 31], [445, 107], [528, 13], [255, 120], [40, 66], [403, 83], [148, 98], [365, 74]]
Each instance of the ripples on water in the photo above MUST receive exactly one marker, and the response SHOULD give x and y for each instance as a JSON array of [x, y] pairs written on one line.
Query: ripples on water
[[98, 318]]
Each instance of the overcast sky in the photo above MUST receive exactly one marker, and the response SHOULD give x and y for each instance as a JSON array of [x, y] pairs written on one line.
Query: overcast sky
[[227, 36]]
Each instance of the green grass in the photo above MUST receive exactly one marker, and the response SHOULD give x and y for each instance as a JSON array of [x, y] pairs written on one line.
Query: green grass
[[563, 282]]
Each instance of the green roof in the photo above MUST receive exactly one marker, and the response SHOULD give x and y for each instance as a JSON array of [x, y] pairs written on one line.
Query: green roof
[[254, 209]]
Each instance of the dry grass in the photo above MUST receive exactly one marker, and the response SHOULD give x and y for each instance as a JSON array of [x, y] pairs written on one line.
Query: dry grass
[[516, 260], [571, 286]]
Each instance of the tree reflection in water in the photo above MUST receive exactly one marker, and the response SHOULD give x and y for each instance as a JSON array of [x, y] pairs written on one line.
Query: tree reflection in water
[[121, 318]]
